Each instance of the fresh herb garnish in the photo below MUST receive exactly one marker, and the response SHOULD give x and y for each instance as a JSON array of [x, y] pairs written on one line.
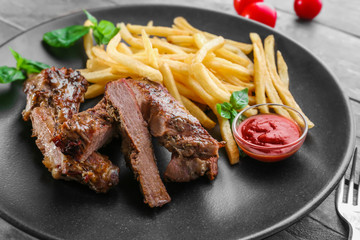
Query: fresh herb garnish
[[23, 68], [10, 74], [29, 66], [238, 100], [103, 31]]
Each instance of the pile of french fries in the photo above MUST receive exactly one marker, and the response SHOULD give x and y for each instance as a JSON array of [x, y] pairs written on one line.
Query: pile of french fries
[[198, 68]]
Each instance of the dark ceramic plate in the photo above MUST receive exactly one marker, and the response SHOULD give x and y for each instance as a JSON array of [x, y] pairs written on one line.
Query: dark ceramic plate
[[248, 200]]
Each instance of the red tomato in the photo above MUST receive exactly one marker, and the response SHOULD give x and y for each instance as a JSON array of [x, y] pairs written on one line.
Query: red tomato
[[240, 5], [261, 12], [307, 9]]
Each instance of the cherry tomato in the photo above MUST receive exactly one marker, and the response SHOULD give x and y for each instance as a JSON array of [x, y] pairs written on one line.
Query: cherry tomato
[[240, 5], [261, 12], [307, 9]]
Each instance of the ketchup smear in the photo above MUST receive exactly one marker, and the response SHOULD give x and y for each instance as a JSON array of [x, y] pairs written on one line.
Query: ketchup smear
[[269, 130]]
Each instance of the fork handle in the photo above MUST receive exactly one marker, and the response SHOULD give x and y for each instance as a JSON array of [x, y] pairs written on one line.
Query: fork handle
[[354, 233]]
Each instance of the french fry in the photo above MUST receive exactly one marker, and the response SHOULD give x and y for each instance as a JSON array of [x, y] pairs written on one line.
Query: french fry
[[198, 113], [188, 93], [158, 31], [182, 23], [126, 35], [101, 76], [123, 48], [230, 146], [210, 46], [169, 82], [166, 47], [94, 90], [88, 40], [95, 64], [230, 56], [200, 91], [199, 71], [226, 67], [181, 40], [150, 23], [134, 65], [260, 77], [177, 66], [150, 53], [282, 69]]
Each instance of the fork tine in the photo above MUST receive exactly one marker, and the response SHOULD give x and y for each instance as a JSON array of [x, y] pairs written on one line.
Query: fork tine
[[340, 191], [350, 196]]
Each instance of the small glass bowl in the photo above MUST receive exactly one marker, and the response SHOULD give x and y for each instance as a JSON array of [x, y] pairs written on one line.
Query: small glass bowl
[[270, 153]]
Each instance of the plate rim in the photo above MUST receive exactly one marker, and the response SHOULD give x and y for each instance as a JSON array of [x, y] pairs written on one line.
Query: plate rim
[[294, 217]]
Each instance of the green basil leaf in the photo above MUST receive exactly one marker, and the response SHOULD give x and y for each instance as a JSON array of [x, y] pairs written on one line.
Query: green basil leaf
[[223, 110], [239, 99], [10, 74], [104, 32], [234, 113], [65, 37], [27, 65], [92, 19]]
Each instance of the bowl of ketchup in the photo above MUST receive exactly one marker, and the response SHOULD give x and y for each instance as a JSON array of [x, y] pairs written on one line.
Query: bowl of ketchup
[[270, 132]]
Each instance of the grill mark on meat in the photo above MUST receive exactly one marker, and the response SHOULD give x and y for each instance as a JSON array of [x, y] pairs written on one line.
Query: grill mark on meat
[[136, 142], [62, 90], [54, 96], [85, 132], [193, 148], [97, 171]]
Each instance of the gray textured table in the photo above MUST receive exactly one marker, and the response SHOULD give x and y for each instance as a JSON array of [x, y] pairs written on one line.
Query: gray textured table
[[334, 36]]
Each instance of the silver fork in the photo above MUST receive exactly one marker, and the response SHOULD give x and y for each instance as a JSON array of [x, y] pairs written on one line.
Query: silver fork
[[349, 210]]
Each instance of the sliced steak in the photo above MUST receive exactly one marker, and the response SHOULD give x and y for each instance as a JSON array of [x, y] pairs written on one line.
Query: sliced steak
[[192, 146], [53, 97], [136, 142], [85, 132], [97, 171], [62, 90]]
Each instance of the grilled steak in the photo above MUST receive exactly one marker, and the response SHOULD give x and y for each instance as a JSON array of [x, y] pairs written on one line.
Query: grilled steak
[[96, 171], [53, 97], [195, 152], [136, 142], [85, 132], [62, 90]]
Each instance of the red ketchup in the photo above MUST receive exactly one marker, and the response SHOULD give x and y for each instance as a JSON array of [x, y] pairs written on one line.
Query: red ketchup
[[269, 137]]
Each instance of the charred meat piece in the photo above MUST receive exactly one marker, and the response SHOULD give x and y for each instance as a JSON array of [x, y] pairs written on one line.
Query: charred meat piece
[[53, 97], [85, 132], [96, 171], [136, 142], [195, 151], [62, 90]]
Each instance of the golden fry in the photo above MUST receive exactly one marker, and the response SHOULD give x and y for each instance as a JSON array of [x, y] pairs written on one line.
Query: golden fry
[[230, 146], [150, 53], [199, 71], [94, 90], [282, 69], [226, 67], [134, 65], [100, 76], [260, 77], [198, 113], [126, 35], [181, 40], [210, 46], [188, 93], [169, 82], [157, 31]]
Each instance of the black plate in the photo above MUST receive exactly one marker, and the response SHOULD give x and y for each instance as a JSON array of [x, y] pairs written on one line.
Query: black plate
[[248, 200]]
